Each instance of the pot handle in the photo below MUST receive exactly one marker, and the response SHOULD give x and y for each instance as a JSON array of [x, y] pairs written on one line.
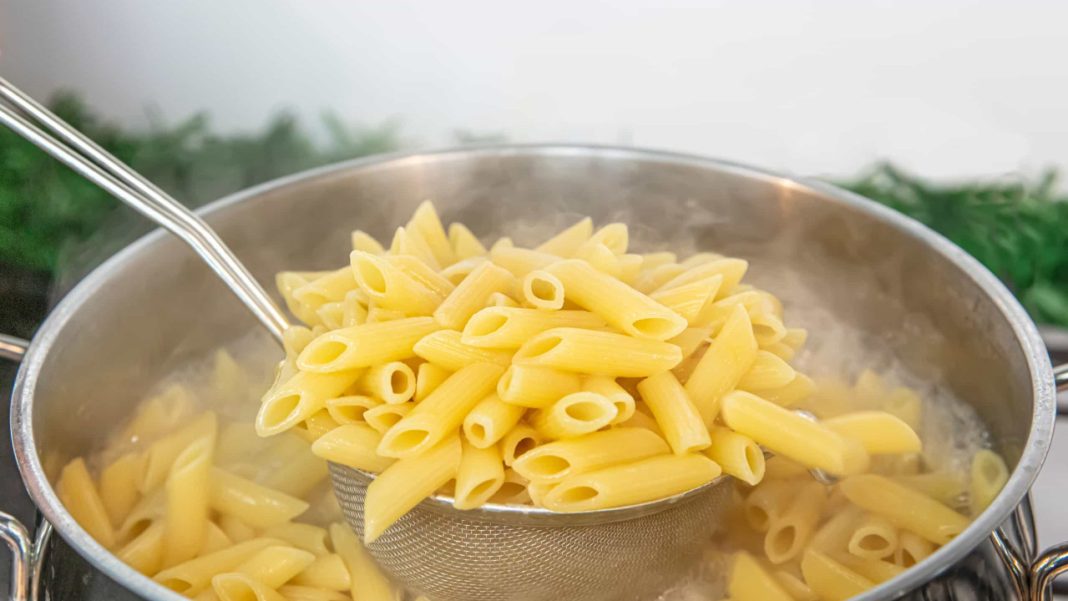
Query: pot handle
[[1053, 561], [26, 550]]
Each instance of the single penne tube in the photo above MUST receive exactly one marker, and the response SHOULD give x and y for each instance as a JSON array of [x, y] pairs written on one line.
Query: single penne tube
[[768, 328], [876, 570], [500, 299], [490, 420], [948, 488], [465, 244], [480, 474], [833, 535], [911, 549], [353, 445], [656, 259], [368, 581], [252, 503], [600, 257], [390, 287], [424, 274], [792, 435], [748, 581], [649, 280], [510, 327], [729, 356], [879, 432], [393, 382], [731, 271], [613, 235], [365, 345], [794, 585], [159, 415], [234, 586], [675, 413], [308, 537], [235, 529], [768, 371], [873, 538], [275, 565], [738, 455], [145, 552], [446, 349], [792, 394], [382, 315], [536, 387], [766, 502], [567, 241], [653, 478], [598, 353], [427, 378], [286, 282], [403, 485], [520, 261], [427, 226], [299, 398], [149, 510], [118, 485], [542, 290], [607, 387], [384, 417], [299, 471], [326, 572], [630, 265], [361, 240], [191, 577], [331, 315], [790, 530], [329, 287], [521, 440], [350, 409], [161, 454], [988, 476], [456, 272], [574, 415], [689, 300], [79, 495], [620, 305], [441, 413], [472, 293], [699, 258], [513, 491], [317, 424], [754, 301], [554, 461], [643, 420], [296, 592], [830, 579], [187, 492], [904, 507], [412, 243]]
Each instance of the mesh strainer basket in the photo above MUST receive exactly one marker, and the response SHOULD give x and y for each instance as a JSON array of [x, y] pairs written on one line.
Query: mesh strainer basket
[[519, 553]]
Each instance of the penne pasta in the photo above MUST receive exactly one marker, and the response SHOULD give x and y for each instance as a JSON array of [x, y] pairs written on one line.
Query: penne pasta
[[472, 294], [428, 378], [239, 587], [118, 486], [566, 242], [254, 504], [384, 417], [690, 300], [302, 536], [361, 240], [412, 243], [631, 483], [187, 492], [675, 413], [392, 382], [510, 327], [464, 244], [446, 349], [293, 592], [480, 475], [574, 415], [542, 290], [458, 271], [738, 455], [350, 409], [536, 387], [490, 420], [877, 432], [405, 483], [365, 345], [876, 570], [145, 552], [78, 493], [424, 274], [904, 507], [557, 460], [161, 454], [327, 572], [353, 445], [513, 491], [275, 565], [873, 538], [750, 582], [191, 577], [791, 528], [722, 366], [521, 440], [767, 371], [368, 582], [988, 476], [427, 226], [390, 287], [614, 235], [611, 390], [831, 580], [598, 353], [911, 549], [731, 270], [299, 398], [520, 261]]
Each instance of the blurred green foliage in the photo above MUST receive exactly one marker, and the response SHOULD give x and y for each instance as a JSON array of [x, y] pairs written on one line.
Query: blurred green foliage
[[1019, 229]]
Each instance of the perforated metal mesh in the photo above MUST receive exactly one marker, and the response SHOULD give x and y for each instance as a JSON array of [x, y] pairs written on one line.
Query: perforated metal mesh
[[453, 555]]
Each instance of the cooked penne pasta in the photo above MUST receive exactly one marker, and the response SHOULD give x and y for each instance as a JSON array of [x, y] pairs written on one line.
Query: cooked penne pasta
[[598, 256], [464, 244], [354, 445], [424, 274], [542, 290], [878, 432], [690, 300], [791, 528], [675, 413], [446, 349], [904, 507], [191, 577], [239, 587], [412, 243], [720, 368], [631, 483], [427, 226], [500, 299], [294, 592], [302, 536], [188, 489], [118, 485], [566, 242], [78, 493], [456, 272], [750, 582], [738, 455], [876, 570], [520, 261], [361, 240], [368, 582], [393, 382], [350, 409], [275, 565], [472, 294], [510, 327], [404, 484], [145, 552], [989, 475], [428, 378], [480, 475], [731, 270], [490, 420], [598, 353], [620, 305], [574, 415], [390, 287], [873, 538], [830, 579], [256, 505], [299, 398], [326, 572], [441, 413], [611, 390], [384, 417], [557, 460], [365, 345], [519, 441], [161, 454], [911, 549], [768, 371], [536, 387]]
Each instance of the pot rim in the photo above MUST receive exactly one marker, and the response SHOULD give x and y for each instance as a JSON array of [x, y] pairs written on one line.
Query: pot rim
[[1018, 485]]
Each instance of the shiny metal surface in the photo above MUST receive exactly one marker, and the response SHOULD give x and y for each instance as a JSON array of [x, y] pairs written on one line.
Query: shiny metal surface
[[154, 305], [12, 348], [118, 179]]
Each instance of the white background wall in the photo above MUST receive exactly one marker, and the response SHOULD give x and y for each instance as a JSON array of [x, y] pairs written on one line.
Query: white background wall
[[946, 87]]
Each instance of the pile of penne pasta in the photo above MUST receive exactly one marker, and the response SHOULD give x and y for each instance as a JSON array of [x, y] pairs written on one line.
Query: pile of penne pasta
[[574, 376]]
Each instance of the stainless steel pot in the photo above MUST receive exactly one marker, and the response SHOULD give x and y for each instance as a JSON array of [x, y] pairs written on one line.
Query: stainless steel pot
[[155, 305]]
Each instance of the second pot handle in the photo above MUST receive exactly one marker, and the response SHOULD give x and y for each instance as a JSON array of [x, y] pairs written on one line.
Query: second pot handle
[[1053, 561]]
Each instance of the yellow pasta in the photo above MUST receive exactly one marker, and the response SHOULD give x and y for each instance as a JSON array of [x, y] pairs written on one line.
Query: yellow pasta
[[768, 371], [393, 382], [490, 420], [384, 417], [456, 272], [188, 490], [620, 305], [441, 413], [353, 445], [690, 300], [464, 244], [293, 592], [235, 529], [911, 549], [480, 475], [542, 290], [239, 587], [326, 572], [428, 378], [368, 582], [566, 242], [791, 435], [876, 570], [792, 394], [749, 582], [791, 528], [350, 409], [191, 577], [161, 454], [446, 349], [873, 538], [574, 415], [329, 287], [118, 485], [904, 507], [472, 293], [536, 387], [679, 420], [299, 398], [520, 261], [519, 441], [720, 368], [598, 256], [145, 552], [631, 483], [256, 505], [510, 327], [557, 460], [611, 390], [405, 483], [424, 274], [275, 565], [390, 287], [500, 299], [361, 240], [513, 491], [365, 345], [78, 493], [598, 353], [655, 277], [877, 431], [426, 224], [302, 536], [412, 243], [989, 475], [831, 580], [738, 455]]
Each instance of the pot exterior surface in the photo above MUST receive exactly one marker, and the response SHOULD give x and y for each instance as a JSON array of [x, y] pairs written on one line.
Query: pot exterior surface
[[895, 284]]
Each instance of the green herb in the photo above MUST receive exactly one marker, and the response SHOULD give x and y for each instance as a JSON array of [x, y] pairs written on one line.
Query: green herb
[[1018, 229]]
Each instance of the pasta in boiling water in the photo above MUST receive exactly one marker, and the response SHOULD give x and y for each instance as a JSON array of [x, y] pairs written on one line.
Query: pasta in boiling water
[[575, 375]]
